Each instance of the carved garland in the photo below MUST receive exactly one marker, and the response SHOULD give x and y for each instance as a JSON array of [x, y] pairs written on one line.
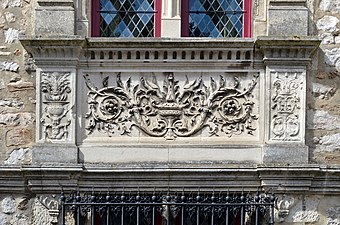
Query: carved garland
[[55, 87], [171, 111]]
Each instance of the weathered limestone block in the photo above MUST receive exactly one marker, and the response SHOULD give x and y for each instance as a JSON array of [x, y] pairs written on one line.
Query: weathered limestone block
[[12, 103], [11, 35], [320, 119], [330, 6], [16, 119], [323, 91], [332, 57], [9, 66], [20, 86], [327, 23], [19, 156], [8, 205], [329, 143], [18, 136]]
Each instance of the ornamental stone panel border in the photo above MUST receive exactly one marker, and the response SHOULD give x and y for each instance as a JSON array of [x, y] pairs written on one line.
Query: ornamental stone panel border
[[171, 100]]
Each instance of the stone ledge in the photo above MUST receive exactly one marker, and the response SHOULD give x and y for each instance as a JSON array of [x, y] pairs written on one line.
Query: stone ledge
[[282, 179]]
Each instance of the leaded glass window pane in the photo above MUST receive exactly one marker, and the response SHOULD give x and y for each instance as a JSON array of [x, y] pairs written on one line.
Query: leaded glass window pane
[[215, 18], [127, 18]]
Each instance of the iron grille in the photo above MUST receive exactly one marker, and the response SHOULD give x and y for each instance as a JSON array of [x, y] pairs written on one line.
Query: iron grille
[[169, 209], [127, 18], [215, 18]]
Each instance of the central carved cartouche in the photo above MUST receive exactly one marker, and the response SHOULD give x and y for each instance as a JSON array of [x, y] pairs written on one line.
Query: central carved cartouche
[[172, 110]]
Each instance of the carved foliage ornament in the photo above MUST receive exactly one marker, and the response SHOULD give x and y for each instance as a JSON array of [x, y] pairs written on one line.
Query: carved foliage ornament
[[55, 88], [171, 111], [285, 123]]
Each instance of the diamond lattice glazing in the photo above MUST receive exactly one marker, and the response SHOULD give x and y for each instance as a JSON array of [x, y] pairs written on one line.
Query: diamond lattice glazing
[[127, 18], [215, 18]]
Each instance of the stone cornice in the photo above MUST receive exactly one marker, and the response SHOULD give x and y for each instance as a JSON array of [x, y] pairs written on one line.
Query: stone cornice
[[295, 50], [281, 179]]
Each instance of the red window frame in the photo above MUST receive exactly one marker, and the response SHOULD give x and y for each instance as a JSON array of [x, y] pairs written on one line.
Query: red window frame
[[246, 29], [247, 18], [95, 18]]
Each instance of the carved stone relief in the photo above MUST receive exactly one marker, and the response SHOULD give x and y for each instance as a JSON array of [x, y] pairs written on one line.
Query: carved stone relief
[[172, 109], [46, 210], [286, 103], [55, 91], [283, 206]]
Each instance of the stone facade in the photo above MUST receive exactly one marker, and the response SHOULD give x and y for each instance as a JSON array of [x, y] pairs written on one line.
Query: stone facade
[[260, 112]]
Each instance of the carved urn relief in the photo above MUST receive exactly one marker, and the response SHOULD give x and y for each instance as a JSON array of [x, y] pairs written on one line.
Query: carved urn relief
[[55, 87]]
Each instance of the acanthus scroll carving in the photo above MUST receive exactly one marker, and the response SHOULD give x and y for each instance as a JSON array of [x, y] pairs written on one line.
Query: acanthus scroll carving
[[55, 88], [173, 110], [285, 121]]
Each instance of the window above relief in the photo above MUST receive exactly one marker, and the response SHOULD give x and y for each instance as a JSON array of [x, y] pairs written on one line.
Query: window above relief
[[198, 18]]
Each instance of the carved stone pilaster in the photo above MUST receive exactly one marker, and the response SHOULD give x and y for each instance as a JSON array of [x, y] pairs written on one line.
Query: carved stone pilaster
[[286, 61], [56, 60]]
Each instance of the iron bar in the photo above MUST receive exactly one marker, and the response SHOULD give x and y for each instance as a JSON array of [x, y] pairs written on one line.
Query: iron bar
[[176, 209]]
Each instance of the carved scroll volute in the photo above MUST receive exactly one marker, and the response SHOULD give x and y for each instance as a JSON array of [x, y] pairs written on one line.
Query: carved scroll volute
[[286, 106], [55, 91]]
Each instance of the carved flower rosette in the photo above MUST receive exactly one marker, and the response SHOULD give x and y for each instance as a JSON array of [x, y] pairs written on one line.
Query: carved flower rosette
[[172, 109]]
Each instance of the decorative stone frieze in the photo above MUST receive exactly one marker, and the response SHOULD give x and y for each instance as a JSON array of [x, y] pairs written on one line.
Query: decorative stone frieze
[[174, 110]]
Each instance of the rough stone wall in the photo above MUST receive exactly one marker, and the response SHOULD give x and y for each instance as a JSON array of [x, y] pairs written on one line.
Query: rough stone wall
[[323, 114], [17, 83]]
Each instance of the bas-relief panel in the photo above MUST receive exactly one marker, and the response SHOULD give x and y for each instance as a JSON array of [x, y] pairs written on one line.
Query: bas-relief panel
[[55, 91], [170, 107], [286, 105]]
